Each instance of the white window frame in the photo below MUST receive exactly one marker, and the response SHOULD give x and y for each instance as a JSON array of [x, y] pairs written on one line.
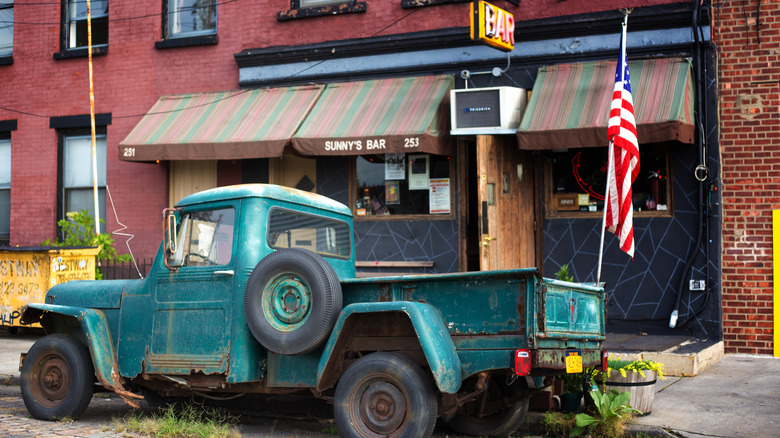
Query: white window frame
[[84, 180], [317, 3]]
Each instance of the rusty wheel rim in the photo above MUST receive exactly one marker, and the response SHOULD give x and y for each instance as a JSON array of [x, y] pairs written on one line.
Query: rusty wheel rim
[[51, 380], [380, 407]]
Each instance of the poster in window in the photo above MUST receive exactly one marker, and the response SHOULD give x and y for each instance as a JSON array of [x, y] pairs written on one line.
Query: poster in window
[[392, 197], [395, 166], [439, 196], [419, 172]]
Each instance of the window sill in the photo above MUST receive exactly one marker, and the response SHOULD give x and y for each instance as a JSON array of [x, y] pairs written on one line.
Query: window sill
[[6, 60], [201, 40], [403, 217], [321, 11], [81, 53], [420, 3], [600, 214]]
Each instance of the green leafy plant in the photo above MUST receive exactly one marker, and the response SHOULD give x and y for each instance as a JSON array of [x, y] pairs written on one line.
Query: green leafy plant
[[573, 382], [79, 230], [563, 274], [557, 423], [611, 413]]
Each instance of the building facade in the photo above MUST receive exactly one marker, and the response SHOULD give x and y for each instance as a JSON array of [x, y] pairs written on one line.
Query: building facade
[[747, 35], [352, 100]]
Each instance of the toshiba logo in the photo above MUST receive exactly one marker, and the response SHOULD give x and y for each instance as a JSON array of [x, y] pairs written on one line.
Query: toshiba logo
[[478, 109]]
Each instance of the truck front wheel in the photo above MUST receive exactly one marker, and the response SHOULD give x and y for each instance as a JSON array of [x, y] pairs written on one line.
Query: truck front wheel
[[385, 394], [57, 378], [498, 411]]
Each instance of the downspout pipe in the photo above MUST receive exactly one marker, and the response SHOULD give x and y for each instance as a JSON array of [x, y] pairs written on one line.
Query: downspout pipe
[[700, 145]]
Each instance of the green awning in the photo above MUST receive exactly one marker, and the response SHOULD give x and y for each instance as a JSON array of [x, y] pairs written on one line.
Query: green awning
[[237, 124], [379, 116], [569, 104]]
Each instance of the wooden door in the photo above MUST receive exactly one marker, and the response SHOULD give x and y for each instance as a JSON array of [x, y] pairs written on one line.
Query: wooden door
[[506, 204]]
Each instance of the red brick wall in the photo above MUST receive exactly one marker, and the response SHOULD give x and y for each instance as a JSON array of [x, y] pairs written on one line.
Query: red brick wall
[[749, 74], [133, 74]]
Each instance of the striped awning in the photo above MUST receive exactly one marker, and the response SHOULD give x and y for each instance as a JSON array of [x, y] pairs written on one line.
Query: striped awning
[[569, 104], [236, 124], [378, 116]]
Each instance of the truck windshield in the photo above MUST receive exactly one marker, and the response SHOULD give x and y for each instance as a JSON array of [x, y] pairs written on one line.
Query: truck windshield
[[204, 238], [289, 229]]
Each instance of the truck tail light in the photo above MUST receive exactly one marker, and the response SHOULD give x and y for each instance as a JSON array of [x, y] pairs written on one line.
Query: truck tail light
[[604, 360], [523, 362]]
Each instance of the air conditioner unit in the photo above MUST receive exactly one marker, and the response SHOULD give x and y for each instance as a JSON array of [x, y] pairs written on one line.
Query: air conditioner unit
[[493, 110]]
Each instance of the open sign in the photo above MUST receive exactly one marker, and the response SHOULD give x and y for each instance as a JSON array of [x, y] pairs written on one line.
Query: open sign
[[492, 26]]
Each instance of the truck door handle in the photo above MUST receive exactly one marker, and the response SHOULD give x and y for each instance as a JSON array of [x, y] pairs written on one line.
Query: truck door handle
[[230, 272]]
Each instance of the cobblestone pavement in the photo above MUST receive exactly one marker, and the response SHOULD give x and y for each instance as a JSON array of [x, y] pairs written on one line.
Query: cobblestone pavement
[[97, 421]]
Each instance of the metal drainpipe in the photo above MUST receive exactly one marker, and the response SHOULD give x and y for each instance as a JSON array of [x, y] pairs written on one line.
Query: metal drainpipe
[[700, 144]]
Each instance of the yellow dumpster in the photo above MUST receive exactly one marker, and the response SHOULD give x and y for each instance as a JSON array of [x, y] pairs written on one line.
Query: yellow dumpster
[[27, 273]]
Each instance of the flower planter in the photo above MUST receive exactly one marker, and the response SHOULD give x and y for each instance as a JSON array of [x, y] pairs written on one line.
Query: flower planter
[[642, 388]]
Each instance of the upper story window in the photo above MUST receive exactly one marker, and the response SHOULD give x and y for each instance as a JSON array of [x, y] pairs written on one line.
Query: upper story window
[[318, 8], [5, 189], [6, 28], [188, 18], [75, 23], [77, 187], [576, 178]]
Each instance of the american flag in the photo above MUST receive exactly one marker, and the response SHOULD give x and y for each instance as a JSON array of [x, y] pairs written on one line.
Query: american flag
[[624, 151]]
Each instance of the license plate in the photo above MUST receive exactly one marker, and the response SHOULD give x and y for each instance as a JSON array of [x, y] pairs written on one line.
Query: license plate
[[573, 362]]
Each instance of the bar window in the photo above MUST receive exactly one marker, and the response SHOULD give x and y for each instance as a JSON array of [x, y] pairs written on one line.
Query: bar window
[[5, 189], [577, 182], [402, 184], [6, 27]]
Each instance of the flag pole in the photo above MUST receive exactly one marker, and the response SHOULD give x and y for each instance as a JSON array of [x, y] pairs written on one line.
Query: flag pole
[[610, 169], [611, 154]]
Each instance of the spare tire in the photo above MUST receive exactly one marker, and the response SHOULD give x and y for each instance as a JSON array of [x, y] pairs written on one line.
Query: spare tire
[[292, 300]]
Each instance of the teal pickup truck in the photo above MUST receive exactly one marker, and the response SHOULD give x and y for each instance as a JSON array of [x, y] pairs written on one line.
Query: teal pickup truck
[[254, 291]]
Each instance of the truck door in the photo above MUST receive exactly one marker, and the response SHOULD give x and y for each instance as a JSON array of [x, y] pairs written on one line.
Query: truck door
[[193, 303], [506, 204]]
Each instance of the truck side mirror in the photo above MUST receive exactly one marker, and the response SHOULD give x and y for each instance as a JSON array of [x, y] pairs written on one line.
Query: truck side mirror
[[169, 234]]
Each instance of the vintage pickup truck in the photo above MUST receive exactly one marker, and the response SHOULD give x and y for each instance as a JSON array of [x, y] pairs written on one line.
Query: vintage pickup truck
[[254, 291]]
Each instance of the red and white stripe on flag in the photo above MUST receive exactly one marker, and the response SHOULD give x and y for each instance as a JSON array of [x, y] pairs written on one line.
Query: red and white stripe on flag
[[625, 150]]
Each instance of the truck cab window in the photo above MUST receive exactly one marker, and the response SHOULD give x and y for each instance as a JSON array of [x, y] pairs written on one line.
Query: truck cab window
[[204, 238], [287, 229]]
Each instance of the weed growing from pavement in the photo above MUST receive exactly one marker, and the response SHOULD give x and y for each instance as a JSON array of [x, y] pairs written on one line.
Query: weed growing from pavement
[[189, 421]]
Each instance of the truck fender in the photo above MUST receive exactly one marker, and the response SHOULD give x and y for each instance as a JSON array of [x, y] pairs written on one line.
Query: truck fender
[[95, 331], [435, 340]]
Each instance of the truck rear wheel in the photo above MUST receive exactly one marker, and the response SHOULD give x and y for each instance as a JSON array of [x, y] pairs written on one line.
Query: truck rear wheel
[[385, 394], [493, 413], [292, 300], [57, 378]]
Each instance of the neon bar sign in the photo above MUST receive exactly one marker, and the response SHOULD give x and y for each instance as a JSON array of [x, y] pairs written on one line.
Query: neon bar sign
[[492, 26]]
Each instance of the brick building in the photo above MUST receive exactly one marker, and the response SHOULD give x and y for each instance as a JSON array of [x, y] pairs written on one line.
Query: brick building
[[748, 35], [173, 77]]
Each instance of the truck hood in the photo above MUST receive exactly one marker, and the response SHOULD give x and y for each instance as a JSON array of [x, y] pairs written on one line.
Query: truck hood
[[95, 294]]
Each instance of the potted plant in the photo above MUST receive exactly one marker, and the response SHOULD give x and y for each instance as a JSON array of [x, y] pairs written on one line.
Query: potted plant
[[609, 416], [573, 388], [635, 376]]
